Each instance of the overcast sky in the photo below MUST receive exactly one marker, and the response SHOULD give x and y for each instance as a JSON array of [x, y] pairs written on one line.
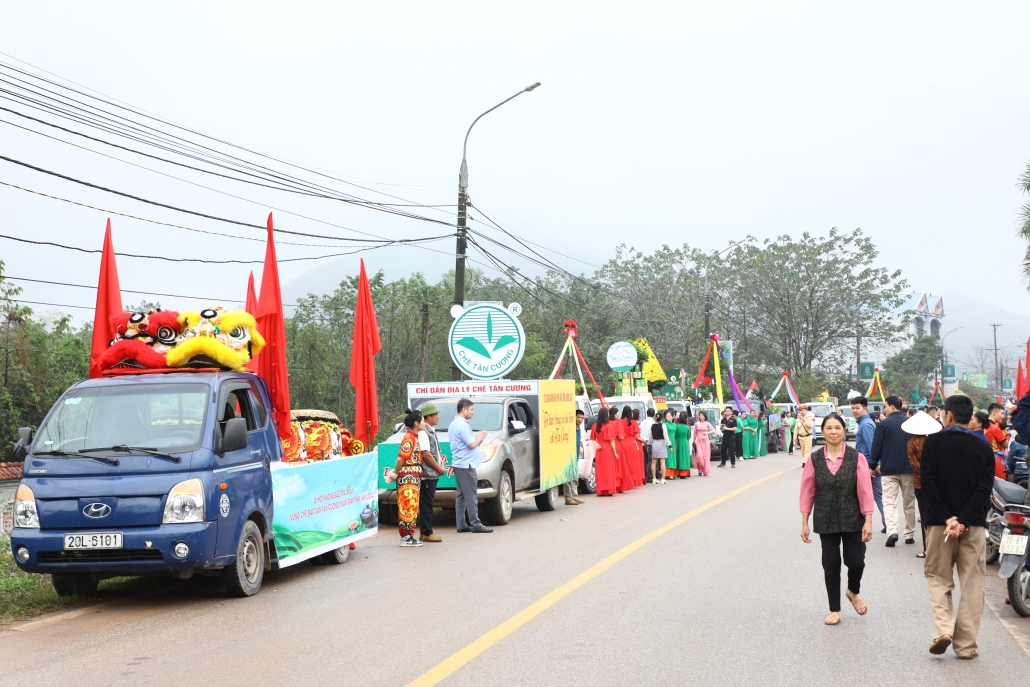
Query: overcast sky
[[656, 123]]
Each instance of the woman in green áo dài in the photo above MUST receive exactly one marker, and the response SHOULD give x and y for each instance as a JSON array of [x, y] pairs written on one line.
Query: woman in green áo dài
[[671, 458], [683, 457], [749, 426], [787, 424], [762, 447]]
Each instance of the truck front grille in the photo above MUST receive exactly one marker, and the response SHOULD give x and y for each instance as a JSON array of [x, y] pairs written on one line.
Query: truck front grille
[[100, 556]]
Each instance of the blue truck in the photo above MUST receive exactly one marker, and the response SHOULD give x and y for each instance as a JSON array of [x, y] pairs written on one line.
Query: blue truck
[[160, 473]]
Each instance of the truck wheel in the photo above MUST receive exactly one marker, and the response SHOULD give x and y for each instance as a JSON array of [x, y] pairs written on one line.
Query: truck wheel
[[589, 485], [243, 576], [497, 511], [336, 556], [1019, 589], [548, 500], [84, 584], [62, 584]]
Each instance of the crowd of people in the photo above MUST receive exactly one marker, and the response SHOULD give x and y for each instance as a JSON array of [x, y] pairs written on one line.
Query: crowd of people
[[942, 459]]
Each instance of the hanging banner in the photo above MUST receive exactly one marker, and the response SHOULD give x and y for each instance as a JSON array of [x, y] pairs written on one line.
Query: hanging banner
[[322, 506], [557, 432]]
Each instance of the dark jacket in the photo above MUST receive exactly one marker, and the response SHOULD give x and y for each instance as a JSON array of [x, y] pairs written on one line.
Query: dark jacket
[[957, 472], [1021, 420], [890, 446]]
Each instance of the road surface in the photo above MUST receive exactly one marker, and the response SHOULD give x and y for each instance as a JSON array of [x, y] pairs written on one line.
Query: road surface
[[698, 582]]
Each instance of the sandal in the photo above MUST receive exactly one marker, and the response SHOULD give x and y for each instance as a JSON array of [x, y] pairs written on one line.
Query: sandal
[[921, 555], [857, 602]]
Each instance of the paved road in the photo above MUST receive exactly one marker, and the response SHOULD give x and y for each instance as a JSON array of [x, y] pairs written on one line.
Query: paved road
[[729, 597]]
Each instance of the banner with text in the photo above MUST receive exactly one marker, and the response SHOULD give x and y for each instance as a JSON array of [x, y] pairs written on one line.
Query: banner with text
[[557, 432], [322, 506]]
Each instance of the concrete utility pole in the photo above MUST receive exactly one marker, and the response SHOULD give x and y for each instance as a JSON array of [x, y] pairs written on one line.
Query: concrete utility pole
[[424, 374], [708, 295], [858, 352], [997, 369], [463, 185]]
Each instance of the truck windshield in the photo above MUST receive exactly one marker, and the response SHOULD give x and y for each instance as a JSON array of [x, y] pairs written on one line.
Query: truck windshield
[[486, 416], [168, 417]]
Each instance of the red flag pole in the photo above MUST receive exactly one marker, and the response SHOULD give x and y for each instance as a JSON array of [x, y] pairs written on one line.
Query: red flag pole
[[271, 364], [252, 308], [365, 344], [109, 304]]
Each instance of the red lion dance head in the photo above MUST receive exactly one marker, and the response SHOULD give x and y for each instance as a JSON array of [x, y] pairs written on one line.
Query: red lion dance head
[[141, 339]]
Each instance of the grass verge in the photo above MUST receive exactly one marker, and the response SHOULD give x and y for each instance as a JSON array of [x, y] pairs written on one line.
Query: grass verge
[[24, 595]]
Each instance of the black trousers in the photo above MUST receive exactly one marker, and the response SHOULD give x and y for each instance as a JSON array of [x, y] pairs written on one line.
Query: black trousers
[[728, 450], [924, 512], [739, 443], [648, 477], [854, 558], [426, 496]]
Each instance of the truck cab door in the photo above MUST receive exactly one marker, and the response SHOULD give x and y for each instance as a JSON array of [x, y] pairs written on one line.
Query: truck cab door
[[242, 483], [517, 441], [532, 434]]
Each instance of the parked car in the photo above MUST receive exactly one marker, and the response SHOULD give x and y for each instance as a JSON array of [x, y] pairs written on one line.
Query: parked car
[[819, 409], [510, 468], [852, 428], [641, 403]]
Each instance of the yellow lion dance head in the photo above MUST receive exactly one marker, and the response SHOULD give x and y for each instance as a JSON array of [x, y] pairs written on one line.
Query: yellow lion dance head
[[212, 336]]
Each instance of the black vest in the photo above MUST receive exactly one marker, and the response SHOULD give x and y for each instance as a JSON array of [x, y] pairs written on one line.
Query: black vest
[[836, 496]]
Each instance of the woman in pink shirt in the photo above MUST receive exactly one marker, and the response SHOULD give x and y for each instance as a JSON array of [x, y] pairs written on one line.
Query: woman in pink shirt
[[837, 492]]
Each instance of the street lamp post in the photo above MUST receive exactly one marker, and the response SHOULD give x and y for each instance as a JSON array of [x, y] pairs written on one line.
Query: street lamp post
[[463, 184], [708, 296], [943, 355]]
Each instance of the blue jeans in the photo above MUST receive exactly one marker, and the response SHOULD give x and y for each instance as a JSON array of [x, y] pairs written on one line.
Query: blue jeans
[[1016, 450], [878, 495]]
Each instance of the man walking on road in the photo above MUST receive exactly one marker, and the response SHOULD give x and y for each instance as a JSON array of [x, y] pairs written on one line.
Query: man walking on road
[[803, 428], [432, 468], [890, 459], [466, 458], [957, 472], [728, 425], [571, 488], [645, 432], [864, 445]]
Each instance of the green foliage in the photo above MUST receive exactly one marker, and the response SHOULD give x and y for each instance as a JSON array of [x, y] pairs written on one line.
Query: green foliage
[[1024, 227], [981, 397], [911, 370]]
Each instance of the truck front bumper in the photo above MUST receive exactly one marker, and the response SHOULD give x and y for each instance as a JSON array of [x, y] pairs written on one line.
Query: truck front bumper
[[144, 550]]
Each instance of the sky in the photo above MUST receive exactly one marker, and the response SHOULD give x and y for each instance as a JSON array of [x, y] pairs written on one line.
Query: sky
[[656, 123]]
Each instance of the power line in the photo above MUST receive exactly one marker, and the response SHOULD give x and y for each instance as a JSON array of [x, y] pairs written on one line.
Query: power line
[[144, 293], [200, 260]]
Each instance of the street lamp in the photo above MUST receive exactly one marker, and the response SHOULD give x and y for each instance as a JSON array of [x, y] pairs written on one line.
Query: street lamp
[[463, 184], [942, 349], [708, 296]]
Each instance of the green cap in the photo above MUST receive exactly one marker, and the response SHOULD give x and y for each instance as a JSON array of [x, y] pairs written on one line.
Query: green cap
[[428, 409]]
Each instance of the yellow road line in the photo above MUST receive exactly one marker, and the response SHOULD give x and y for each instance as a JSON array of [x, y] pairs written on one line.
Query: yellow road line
[[454, 662]]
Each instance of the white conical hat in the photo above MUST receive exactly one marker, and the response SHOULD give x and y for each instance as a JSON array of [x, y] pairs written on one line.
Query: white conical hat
[[921, 424]]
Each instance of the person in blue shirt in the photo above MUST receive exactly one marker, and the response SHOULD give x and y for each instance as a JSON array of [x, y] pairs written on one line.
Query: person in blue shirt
[[864, 445], [465, 458]]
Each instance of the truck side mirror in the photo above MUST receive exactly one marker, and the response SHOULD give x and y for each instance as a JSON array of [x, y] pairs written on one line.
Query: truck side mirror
[[21, 447], [233, 436]]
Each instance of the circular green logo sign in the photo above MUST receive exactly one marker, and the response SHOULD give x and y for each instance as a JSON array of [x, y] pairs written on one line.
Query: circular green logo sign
[[487, 341]]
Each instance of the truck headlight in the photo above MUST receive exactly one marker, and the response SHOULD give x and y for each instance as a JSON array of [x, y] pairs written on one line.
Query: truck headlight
[[185, 503], [25, 513], [489, 451]]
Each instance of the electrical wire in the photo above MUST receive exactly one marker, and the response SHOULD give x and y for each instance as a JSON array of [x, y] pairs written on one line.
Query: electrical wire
[[89, 117], [200, 260], [144, 293]]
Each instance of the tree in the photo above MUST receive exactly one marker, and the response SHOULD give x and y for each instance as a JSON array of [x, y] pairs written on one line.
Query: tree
[[1024, 227], [910, 370], [807, 299]]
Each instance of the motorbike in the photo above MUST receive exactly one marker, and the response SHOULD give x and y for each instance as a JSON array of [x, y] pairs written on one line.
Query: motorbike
[[1012, 548], [1004, 493]]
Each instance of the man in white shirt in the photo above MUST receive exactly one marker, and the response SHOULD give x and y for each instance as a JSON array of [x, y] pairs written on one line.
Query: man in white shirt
[[432, 467], [645, 432]]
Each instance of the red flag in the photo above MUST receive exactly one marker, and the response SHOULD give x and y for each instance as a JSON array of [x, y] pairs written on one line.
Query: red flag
[[252, 308], [1020, 390], [364, 346], [753, 387], [271, 364], [109, 304]]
